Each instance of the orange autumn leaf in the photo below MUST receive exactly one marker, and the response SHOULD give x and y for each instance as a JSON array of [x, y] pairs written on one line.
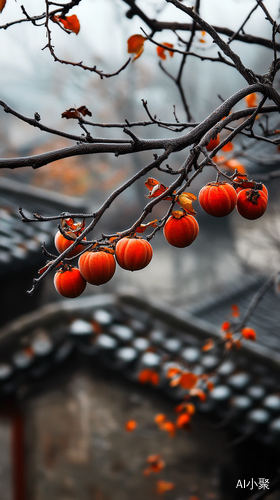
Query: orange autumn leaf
[[248, 333], [185, 407], [143, 227], [188, 380], [156, 188], [160, 418], [70, 23], [135, 45], [2, 4], [228, 147], [235, 311], [185, 200], [130, 426], [210, 385], [235, 165], [172, 372], [251, 100], [183, 421], [155, 464], [148, 376], [163, 486], [169, 427], [199, 393], [161, 51], [209, 345]]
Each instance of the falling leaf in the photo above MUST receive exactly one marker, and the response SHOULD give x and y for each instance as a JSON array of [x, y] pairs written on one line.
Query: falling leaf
[[235, 311], [135, 45], [185, 200], [130, 426], [2, 4], [210, 385], [228, 147], [209, 345], [163, 486], [248, 333], [251, 100], [143, 227], [155, 464], [161, 51], [170, 428], [160, 418], [70, 23], [183, 421], [148, 376], [234, 164], [172, 372], [188, 380], [199, 393], [185, 407]]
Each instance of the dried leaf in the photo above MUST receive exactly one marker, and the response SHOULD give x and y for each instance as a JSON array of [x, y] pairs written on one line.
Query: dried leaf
[[163, 486], [169, 427], [148, 376], [135, 45], [234, 164], [199, 393], [172, 372], [76, 112], [251, 100], [70, 23], [185, 200], [143, 227], [162, 52], [156, 464], [228, 147], [235, 311], [183, 421], [188, 380], [160, 418], [209, 345], [2, 4]]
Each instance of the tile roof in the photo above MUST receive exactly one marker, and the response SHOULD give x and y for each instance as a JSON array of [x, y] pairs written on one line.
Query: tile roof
[[128, 335]]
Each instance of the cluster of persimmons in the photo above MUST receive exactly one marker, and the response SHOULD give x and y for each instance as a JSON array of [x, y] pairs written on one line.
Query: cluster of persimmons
[[97, 264]]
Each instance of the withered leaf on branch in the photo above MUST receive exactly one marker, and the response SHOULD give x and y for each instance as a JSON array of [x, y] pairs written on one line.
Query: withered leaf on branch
[[2, 4], [155, 188], [143, 227], [185, 200], [70, 23], [76, 112]]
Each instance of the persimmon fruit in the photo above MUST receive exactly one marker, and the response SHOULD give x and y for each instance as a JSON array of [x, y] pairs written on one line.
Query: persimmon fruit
[[251, 203], [97, 267], [263, 189], [69, 282], [181, 229], [133, 254], [218, 198], [61, 243]]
